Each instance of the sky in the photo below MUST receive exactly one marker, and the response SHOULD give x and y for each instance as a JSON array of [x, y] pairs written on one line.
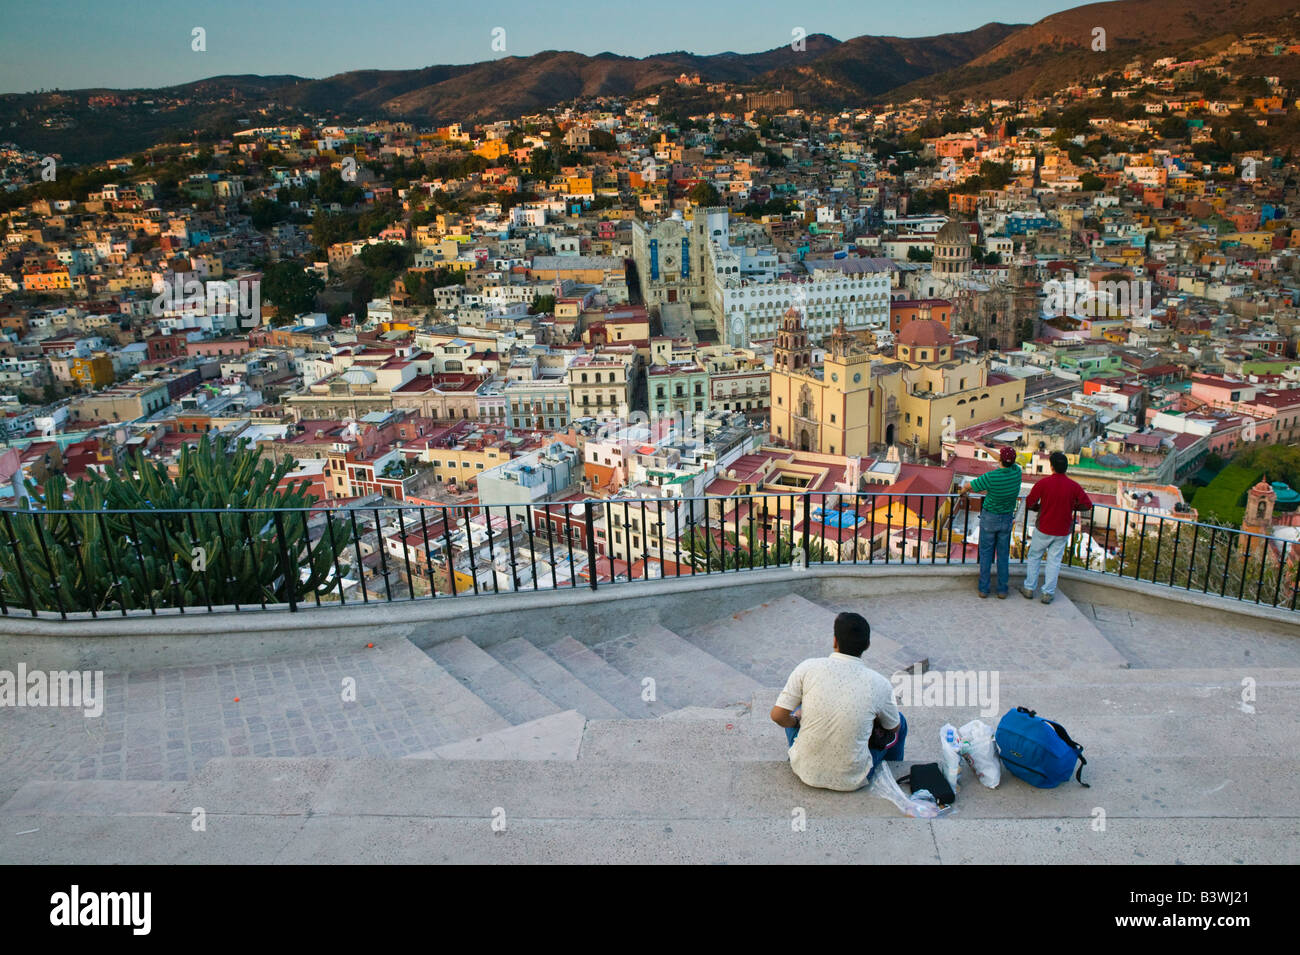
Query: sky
[[123, 44]]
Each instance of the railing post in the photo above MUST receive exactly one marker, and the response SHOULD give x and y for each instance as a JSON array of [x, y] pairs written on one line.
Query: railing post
[[591, 542], [807, 516], [290, 581]]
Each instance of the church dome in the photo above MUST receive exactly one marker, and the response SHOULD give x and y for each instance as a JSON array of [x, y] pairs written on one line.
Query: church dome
[[924, 333], [954, 233], [952, 251], [359, 376]]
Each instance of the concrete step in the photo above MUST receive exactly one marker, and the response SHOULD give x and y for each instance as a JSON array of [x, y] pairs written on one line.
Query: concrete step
[[737, 739], [1112, 713], [767, 642], [1129, 785], [684, 674], [613, 685], [770, 839], [955, 629], [1104, 737], [439, 691], [550, 679], [483, 675], [552, 737], [700, 789], [723, 713], [90, 797]]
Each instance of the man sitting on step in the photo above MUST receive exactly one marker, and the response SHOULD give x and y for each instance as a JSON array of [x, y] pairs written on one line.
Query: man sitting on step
[[839, 715]]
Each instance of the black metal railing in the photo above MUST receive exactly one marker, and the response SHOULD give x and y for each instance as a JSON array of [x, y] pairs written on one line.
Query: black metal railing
[[155, 561]]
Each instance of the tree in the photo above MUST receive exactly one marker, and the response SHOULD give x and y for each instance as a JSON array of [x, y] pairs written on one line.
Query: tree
[[266, 213], [542, 305], [924, 201], [724, 550], [541, 164], [384, 262], [1278, 462], [603, 141], [1173, 127], [142, 540], [333, 189], [1091, 183], [704, 194], [1209, 559], [995, 175], [291, 288]]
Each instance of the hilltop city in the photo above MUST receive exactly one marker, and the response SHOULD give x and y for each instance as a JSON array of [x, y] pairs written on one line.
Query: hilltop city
[[643, 299]]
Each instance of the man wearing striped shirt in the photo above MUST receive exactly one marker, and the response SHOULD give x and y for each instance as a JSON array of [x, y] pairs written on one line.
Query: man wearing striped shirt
[[1001, 489]]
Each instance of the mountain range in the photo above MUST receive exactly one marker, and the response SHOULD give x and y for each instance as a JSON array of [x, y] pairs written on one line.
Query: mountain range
[[997, 59]]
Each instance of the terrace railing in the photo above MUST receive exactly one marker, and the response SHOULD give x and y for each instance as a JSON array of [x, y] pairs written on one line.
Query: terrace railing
[[122, 563]]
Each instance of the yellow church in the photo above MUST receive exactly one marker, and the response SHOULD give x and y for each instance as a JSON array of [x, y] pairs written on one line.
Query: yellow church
[[860, 402]]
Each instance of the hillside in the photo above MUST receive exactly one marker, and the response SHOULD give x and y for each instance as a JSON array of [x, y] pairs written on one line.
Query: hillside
[[826, 71], [1058, 49], [995, 60], [866, 67]]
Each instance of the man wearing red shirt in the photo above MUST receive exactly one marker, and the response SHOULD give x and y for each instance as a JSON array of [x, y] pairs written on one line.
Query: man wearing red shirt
[[1056, 499]]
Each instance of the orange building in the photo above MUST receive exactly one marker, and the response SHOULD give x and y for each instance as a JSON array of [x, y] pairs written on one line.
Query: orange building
[[902, 312], [51, 278], [493, 149], [92, 373]]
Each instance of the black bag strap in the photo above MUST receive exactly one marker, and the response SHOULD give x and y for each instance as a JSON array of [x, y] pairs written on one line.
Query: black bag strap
[[1065, 737]]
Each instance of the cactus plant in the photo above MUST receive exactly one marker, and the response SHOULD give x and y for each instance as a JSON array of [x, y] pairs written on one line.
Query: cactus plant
[[213, 537]]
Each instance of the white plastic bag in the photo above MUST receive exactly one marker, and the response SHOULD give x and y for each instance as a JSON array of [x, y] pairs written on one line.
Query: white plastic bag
[[919, 805], [949, 755], [981, 752]]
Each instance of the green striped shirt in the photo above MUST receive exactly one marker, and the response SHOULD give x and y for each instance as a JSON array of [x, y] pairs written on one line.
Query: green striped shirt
[[1001, 487]]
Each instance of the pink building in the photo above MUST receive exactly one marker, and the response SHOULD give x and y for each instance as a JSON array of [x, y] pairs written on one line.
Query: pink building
[[217, 348], [1221, 392]]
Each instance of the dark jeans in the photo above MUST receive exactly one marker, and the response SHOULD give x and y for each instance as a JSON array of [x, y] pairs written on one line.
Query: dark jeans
[[892, 753], [995, 538]]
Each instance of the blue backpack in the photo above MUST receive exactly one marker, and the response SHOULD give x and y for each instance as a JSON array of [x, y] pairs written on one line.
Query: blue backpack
[[1037, 750]]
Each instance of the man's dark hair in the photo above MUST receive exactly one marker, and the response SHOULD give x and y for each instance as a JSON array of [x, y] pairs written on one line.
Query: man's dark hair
[[852, 633], [1059, 462]]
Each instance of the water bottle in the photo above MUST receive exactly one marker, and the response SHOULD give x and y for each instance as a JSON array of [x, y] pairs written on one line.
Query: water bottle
[[951, 763]]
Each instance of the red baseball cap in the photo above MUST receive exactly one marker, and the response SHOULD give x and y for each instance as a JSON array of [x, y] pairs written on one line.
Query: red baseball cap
[[1007, 455]]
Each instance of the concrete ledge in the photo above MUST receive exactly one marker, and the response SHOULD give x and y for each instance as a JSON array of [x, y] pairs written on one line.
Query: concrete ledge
[[1128, 594], [197, 638]]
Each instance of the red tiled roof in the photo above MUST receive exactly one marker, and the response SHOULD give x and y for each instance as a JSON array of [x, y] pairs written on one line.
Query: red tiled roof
[[925, 332]]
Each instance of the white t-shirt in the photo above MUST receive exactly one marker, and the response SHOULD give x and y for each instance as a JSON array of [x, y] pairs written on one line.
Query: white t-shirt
[[841, 698]]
